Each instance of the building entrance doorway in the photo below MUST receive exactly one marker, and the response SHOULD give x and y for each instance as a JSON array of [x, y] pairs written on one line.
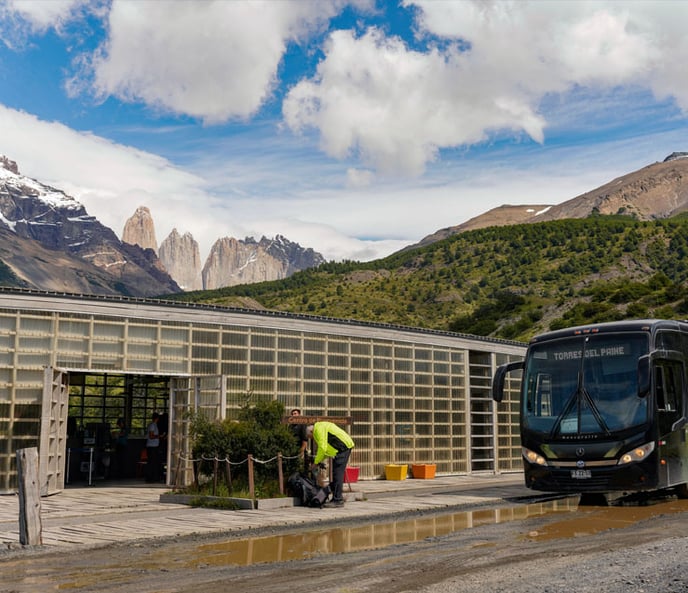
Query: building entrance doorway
[[107, 421]]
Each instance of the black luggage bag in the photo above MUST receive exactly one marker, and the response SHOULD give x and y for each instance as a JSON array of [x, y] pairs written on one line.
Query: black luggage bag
[[307, 491]]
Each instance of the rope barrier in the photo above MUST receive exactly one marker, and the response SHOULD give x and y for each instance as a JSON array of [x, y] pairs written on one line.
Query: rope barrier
[[227, 460], [250, 460]]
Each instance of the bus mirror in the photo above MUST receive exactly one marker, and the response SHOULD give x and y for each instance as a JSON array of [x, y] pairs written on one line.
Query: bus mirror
[[643, 376], [498, 384], [500, 376]]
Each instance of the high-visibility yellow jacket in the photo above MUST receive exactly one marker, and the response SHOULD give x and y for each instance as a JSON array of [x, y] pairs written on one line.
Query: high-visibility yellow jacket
[[330, 440]]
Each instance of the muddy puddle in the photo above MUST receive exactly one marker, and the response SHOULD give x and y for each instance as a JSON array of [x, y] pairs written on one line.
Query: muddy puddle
[[593, 520], [367, 537], [576, 521]]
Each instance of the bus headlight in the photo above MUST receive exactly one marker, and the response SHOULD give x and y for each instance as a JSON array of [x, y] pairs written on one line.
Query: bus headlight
[[637, 454], [533, 457]]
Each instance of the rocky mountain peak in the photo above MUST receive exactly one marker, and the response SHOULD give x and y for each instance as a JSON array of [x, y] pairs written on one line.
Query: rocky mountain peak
[[181, 257], [231, 261], [676, 155], [140, 230], [9, 165]]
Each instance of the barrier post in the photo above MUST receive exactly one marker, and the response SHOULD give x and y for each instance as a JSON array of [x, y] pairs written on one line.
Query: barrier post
[[228, 473], [280, 473], [30, 529], [215, 476], [251, 482]]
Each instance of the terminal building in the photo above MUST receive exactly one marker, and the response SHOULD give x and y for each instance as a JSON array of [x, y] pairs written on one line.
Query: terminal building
[[71, 365]]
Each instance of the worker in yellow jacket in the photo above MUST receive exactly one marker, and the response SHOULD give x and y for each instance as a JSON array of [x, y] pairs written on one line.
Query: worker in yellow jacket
[[334, 442]]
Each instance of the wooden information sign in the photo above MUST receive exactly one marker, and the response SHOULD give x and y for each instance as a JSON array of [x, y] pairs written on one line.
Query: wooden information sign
[[340, 420]]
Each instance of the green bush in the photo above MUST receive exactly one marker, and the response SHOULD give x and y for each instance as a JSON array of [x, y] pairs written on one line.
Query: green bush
[[258, 432]]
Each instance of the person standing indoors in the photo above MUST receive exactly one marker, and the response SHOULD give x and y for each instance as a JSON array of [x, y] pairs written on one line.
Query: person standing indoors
[[333, 442], [121, 435], [153, 450]]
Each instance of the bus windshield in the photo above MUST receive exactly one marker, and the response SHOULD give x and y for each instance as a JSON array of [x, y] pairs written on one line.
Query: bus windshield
[[584, 385]]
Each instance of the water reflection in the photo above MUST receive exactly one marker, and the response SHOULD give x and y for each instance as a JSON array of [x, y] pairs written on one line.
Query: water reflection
[[367, 537], [598, 519]]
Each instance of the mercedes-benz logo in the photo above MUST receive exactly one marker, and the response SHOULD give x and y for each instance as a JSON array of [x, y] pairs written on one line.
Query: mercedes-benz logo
[[580, 451], [580, 463]]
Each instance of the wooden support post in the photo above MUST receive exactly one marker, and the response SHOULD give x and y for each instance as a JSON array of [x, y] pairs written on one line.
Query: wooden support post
[[251, 482], [215, 469], [30, 530], [280, 473], [228, 471]]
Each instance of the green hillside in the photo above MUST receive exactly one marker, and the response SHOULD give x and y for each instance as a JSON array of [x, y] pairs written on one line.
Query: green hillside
[[508, 282]]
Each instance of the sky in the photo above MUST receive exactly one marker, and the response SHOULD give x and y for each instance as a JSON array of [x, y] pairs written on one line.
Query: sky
[[354, 127]]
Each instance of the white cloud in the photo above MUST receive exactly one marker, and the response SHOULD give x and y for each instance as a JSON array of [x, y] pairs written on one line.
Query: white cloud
[[359, 177], [486, 69], [19, 19], [210, 60], [394, 108], [550, 46], [375, 99], [330, 239], [40, 15]]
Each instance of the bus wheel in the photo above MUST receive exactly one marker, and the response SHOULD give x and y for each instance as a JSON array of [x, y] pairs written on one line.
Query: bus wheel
[[682, 490]]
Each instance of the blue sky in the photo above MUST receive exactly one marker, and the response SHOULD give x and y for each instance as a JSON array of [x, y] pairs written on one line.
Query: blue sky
[[355, 128]]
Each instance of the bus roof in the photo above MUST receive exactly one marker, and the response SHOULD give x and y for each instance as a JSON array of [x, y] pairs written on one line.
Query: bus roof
[[648, 325]]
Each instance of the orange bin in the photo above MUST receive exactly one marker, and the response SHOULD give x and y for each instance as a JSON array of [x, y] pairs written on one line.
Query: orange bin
[[424, 471]]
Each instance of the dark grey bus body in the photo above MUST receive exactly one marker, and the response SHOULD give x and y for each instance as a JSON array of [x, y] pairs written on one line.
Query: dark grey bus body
[[603, 408]]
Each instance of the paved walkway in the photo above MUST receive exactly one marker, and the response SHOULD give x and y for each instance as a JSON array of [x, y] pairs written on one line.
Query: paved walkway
[[107, 513]]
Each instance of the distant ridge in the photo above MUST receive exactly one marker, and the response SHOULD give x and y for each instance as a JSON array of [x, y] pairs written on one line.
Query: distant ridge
[[502, 215], [659, 190]]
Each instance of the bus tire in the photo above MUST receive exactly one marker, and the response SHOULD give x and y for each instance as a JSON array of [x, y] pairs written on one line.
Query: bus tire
[[682, 490]]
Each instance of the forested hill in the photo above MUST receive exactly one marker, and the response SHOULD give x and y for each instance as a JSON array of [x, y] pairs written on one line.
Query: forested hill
[[509, 282]]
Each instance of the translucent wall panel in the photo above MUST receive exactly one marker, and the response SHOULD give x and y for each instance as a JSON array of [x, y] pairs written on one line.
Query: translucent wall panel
[[410, 402], [509, 440]]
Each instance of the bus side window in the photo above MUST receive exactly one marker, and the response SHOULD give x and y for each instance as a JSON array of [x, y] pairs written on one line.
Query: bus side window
[[659, 388], [668, 387]]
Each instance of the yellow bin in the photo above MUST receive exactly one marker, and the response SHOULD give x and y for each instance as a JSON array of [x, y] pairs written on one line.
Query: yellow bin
[[396, 472]]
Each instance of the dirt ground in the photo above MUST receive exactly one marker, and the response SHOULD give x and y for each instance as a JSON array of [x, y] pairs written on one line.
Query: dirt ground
[[633, 549]]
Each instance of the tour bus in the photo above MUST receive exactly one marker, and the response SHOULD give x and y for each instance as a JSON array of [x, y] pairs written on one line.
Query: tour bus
[[603, 408]]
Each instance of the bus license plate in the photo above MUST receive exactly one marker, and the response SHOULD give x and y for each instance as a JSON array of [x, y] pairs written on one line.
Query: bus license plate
[[581, 474]]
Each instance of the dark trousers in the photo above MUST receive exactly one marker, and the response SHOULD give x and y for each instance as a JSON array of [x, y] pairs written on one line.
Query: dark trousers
[[339, 462], [121, 462], [153, 473]]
